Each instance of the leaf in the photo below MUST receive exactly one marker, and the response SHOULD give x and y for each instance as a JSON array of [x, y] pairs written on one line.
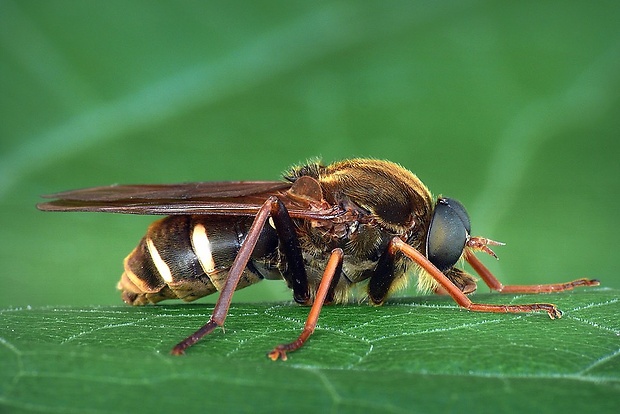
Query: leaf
[[420, 352]]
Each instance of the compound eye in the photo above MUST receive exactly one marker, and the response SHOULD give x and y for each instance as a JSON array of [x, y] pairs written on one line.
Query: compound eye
[[447, 234]]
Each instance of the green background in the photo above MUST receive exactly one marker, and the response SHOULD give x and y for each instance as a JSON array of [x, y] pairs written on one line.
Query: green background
[[511, 107]]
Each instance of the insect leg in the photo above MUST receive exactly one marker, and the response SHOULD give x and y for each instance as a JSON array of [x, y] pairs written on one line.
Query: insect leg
[[333, 268], [495, 284], [289, 243], [459, 297], [234, 274], [331, 292], [383, 277]]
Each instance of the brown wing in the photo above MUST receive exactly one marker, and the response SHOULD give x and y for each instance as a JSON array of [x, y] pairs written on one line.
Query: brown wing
[[223, 198]]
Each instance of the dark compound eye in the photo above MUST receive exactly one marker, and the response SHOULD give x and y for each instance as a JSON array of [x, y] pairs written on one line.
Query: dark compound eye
[[448, 232]]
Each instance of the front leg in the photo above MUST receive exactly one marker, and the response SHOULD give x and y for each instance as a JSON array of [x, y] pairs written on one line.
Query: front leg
[[495, 284], [456, 293]]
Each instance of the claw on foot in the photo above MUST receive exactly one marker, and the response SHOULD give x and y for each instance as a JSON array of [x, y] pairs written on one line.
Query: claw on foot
[[482, 243], [277, 353]]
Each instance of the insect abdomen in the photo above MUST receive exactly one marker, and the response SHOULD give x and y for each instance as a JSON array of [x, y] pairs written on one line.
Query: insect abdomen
[[188, 257]]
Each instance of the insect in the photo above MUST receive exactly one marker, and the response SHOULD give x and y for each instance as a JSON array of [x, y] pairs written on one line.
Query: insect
[[325, 230]]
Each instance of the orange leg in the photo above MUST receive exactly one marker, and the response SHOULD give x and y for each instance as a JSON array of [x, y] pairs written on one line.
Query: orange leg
[[459, 297], [495, 284], [332, 269]]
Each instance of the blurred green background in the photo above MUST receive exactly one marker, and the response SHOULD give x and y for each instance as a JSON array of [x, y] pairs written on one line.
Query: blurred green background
[[511, 107]]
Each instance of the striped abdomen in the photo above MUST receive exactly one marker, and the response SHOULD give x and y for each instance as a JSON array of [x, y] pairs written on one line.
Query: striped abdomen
[[188, 257]]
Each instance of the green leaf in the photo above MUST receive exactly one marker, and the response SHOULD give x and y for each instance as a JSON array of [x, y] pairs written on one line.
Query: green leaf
[[423, 353]]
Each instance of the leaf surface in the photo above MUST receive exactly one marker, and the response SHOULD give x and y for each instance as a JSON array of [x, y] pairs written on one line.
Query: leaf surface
[[420, 352]]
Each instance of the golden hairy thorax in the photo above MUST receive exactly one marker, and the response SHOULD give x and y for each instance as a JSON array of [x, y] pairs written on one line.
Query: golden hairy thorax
[[384, 200], [394, 195]]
